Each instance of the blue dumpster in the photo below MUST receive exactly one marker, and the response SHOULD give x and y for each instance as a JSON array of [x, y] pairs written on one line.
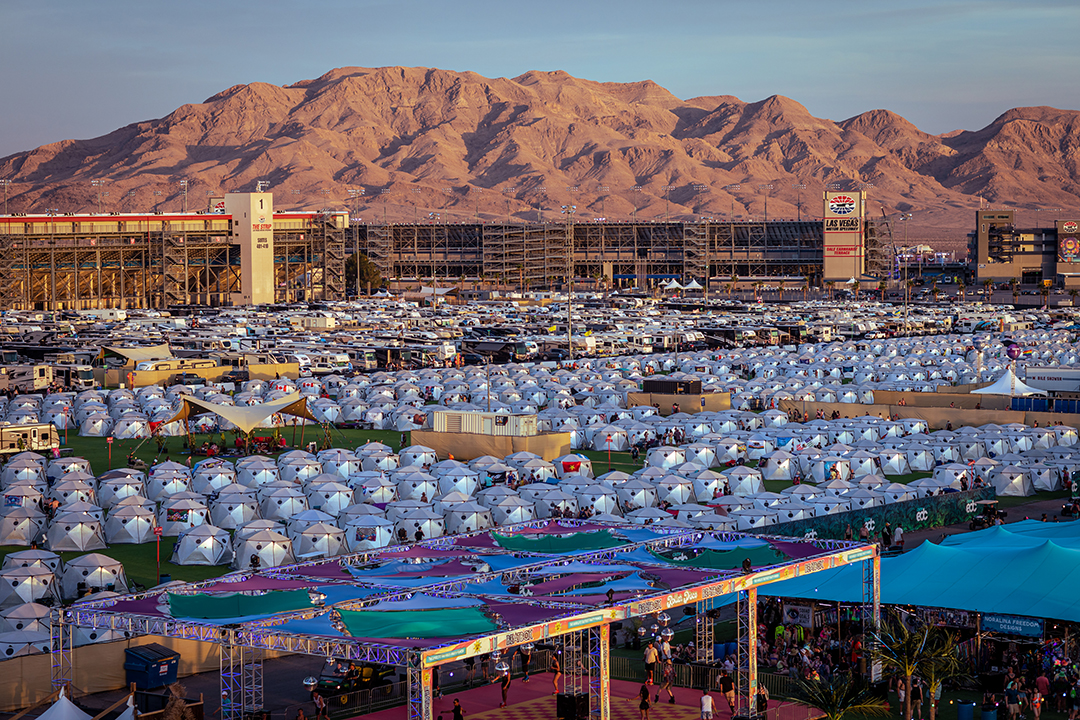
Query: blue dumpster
[[151, 666], [965, 711], [989, 712]]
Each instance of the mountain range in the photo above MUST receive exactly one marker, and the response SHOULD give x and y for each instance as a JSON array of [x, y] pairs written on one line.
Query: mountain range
[[408, 144]]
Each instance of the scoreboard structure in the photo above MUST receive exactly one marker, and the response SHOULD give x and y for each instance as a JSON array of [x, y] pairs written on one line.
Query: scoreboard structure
[[844, 236]]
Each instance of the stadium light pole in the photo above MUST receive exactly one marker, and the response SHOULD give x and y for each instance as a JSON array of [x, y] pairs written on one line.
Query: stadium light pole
[[508, 195], [731, 190], [667, 196], [568, 211], [6, 183], [354, 195], [183, 190], [905, 217], [798, 188]]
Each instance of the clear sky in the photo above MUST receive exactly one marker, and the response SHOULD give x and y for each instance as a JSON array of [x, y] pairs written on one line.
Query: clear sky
[[78, 69]]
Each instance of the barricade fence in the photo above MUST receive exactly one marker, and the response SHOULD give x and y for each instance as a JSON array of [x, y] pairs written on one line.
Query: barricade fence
[[929, 512]]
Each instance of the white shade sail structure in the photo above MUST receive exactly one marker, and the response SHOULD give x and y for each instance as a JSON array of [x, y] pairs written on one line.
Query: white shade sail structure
[[1009, 384], [247, 417]]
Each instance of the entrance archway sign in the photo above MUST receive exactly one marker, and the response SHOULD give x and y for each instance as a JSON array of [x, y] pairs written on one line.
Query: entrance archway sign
[[470, 570]]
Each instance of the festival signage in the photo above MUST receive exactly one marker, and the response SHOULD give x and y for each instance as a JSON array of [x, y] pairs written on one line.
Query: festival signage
[[1012, 625]]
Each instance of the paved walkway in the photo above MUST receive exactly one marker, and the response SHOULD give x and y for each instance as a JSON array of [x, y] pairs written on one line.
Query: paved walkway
[[528, 701]]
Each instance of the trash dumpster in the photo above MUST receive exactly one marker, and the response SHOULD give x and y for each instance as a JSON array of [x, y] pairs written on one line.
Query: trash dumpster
[[151, 666]]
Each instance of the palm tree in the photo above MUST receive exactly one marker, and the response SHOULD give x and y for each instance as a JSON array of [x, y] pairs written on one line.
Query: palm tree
[[1014, 284], [934, 290], [855, 286], [961, 290], [1072, 295], [1045, 292], [757, 289], [806, 290], [945, 666], [841, 696], [831, 285], [881, 286], [988, 288], [909, 652]]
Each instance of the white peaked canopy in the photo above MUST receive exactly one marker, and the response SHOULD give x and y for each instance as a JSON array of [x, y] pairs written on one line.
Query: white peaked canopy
[[93, 571], [246, 417], [63, 709], [203, 545], [1009, 384]]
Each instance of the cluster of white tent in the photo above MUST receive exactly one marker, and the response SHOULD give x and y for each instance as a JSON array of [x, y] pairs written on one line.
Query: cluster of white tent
[[32, 581]]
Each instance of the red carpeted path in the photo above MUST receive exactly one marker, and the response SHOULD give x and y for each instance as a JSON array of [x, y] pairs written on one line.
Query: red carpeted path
[[534, 701]]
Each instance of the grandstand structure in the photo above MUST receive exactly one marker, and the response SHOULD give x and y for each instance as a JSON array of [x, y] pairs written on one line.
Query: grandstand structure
[[135, 260], [538, 255], [55, 262]]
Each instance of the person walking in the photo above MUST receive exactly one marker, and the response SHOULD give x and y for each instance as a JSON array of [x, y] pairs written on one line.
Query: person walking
[[651, 656], [320, 706], [643, 701], [667, 678], [458, 713], [526, 660], [504, 685], [727, 689], [916, 696], [708, 705]]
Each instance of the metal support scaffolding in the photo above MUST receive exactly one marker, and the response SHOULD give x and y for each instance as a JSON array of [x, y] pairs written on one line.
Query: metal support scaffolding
[[62, 644], [871, 613], [231, 665], [704, 631], [253, 680], [599, 672], [419, 692], [746, 665], [573, 664]]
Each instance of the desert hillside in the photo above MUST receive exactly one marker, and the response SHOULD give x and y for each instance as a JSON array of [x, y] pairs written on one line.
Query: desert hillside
[[419, 142]]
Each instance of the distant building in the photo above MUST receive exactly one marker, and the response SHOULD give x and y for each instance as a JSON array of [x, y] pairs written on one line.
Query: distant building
[[998, 250]]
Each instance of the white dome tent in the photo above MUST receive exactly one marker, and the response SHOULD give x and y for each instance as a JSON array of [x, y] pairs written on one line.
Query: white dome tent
[[93, 572], [271, 548], [130, 525], [30, 616], [21, 526], [75, 532], [369, 533], [27, 585], [30, 642], [319, 541], [176, 517]]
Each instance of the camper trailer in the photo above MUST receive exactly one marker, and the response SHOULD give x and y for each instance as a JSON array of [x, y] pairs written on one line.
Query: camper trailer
[[35, 437], [26, 378]]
